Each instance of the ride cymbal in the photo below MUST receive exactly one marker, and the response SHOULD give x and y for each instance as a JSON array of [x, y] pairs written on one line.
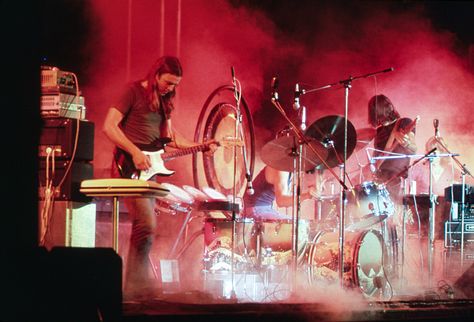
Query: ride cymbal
[[281, 153], [329, 130]]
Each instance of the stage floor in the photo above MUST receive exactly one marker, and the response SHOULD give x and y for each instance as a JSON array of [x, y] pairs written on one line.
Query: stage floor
[[446, 301], [413, 310]]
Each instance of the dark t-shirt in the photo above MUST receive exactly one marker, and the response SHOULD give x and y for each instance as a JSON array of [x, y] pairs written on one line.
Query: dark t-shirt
[[141, 125]]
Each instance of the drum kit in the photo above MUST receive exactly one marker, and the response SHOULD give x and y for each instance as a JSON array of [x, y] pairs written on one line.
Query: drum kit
[[368, 204], [266, 245]]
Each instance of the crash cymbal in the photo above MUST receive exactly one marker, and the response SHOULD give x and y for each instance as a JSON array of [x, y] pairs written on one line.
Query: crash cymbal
[[331, 129], [281, 152]]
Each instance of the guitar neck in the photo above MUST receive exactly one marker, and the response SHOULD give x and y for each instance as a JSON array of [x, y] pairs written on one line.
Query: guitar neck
[[181, 152]]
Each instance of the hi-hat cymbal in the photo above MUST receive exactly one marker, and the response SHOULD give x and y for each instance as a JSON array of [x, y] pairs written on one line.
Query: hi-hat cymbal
[[329, 130], [280, 154]]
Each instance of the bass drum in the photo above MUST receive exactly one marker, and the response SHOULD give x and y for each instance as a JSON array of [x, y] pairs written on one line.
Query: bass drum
[[218, 244], [363, 260]]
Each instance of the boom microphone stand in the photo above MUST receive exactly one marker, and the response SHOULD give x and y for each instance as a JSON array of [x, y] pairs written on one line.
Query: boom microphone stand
[[347, 83], [429, 155], [464, 172], [301, 141]]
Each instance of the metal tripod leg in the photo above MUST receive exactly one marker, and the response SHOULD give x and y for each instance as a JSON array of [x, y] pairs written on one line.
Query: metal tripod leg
[[183, 227]]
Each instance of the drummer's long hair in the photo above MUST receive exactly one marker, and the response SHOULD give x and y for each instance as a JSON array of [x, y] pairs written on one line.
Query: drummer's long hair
[[381, 111]]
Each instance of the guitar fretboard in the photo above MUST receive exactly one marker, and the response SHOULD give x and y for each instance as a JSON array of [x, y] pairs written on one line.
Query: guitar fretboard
[[166, 156]]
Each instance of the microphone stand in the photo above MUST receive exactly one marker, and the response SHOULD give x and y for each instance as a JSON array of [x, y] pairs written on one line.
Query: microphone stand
[[237, 131], [347, 83], [301, 141], [431, 230], [464, 172]]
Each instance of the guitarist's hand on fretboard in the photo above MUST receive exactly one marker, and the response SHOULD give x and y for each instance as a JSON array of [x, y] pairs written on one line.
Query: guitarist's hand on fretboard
[[212, 148]]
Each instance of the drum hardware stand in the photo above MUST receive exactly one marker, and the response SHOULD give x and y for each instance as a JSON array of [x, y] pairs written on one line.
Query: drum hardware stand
[[180, 234]]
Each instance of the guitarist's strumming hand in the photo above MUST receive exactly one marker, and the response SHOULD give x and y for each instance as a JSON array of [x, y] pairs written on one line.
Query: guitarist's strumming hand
[[141, 160]]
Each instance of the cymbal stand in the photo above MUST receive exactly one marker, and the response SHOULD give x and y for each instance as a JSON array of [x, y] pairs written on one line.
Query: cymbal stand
[[301, 141], [347, 83]]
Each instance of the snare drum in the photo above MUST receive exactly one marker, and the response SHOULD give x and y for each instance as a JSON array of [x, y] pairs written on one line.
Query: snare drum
[[177, 200], [368, 203], [363, 259]]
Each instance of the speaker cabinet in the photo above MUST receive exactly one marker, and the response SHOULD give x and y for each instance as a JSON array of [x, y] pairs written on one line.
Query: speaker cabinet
[[70, 187], [68, 224], [60, 135], [418, 223], [85, 284]]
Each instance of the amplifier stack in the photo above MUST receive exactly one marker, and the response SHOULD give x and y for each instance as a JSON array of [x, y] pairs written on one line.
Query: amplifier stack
[[460, 225], [60, 94], [66, 151]]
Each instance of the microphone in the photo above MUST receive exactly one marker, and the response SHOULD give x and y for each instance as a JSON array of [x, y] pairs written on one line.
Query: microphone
[[250, 190], [436, 124], [233, 73], [302, 114], [372, 167], [274, 86], [296, 102]]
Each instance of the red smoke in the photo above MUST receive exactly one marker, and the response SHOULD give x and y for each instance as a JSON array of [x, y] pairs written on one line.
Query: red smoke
[[429, 79]]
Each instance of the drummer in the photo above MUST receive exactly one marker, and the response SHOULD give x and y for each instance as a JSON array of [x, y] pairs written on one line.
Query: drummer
[[272, 188], [395, 134]]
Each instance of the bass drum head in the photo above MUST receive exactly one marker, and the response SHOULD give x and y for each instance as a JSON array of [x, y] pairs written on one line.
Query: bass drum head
[[363, 260]]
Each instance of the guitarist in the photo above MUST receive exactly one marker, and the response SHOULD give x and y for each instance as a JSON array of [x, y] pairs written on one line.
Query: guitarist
[[142, 117]]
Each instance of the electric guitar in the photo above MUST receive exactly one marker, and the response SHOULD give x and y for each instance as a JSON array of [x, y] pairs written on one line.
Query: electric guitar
[[158, 156]]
